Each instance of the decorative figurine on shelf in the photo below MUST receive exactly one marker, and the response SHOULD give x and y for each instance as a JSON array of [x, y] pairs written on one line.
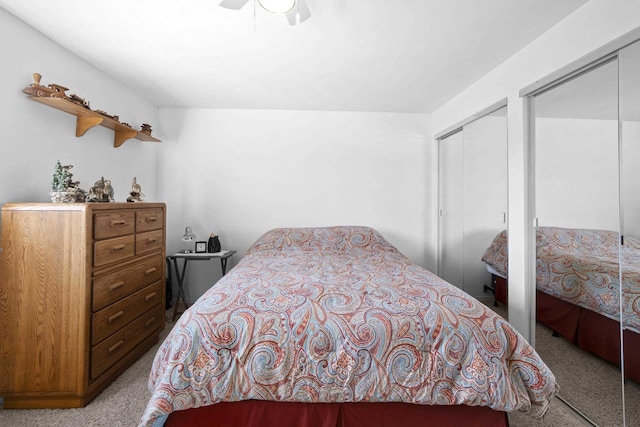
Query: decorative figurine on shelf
[[51, 91], [80, 101], [187, 237], [63, 188], [146, 128], [136, 194], [102, 191]]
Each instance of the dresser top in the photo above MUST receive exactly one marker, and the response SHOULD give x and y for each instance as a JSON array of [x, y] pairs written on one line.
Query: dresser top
[[79, 206]]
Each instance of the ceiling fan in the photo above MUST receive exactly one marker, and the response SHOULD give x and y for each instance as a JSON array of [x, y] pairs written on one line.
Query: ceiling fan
[[296, 11]]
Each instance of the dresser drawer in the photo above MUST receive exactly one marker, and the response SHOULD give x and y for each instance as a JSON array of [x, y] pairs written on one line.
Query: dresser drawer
[[122, 342], [149, 219], [113, 224], [108, 251], [114, 286], [108, 320], [149, 241]]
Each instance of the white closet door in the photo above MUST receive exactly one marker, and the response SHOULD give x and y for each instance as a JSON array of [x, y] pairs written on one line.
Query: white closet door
[[451, 209], [485, 194]]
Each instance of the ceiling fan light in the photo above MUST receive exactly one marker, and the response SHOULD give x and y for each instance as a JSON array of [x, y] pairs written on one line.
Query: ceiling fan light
[[277, 6]]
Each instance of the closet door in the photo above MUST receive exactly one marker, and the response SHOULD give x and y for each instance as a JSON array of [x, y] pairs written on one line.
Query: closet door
[[473, 199], [451, 192], [485, 194], [629, 94], [577, 267]]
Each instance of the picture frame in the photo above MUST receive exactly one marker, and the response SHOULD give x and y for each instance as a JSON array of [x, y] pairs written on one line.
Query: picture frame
[[201, 247]]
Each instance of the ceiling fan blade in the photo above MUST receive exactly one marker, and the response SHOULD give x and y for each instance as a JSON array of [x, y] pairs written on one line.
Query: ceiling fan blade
[[301, 8], [233, 4]]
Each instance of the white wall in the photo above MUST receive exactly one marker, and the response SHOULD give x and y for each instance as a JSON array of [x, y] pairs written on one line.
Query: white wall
[[577, 173], [34, 136], [588, 28], [239, 173]]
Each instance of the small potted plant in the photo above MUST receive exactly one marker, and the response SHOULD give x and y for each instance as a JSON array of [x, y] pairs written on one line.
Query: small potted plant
[[60, 185]]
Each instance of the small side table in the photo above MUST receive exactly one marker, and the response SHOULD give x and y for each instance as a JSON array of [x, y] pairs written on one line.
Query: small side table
[[206, 256]]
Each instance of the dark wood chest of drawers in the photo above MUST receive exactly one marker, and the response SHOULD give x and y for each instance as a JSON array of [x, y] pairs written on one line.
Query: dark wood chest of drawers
[[81, 297]]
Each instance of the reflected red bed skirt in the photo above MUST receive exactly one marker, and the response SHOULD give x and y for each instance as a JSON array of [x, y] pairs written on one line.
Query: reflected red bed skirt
[[590, 331], [254, 413]]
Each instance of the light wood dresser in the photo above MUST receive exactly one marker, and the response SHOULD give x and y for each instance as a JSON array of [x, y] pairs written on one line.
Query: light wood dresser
[[82, 297]]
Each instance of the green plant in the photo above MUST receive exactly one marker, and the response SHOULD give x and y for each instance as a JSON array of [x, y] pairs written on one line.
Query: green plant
[[61, 178]]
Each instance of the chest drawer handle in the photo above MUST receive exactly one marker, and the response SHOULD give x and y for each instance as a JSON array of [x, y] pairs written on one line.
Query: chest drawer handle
[[152, 219], [117, 248], [149, 271], [118, 222], [116, 285], [115, 346], [149, 322], [115, 316], [150, 296], [151, 240]]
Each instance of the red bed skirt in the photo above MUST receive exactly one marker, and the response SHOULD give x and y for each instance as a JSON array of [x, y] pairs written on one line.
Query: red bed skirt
[[500, 289], [254, 413]]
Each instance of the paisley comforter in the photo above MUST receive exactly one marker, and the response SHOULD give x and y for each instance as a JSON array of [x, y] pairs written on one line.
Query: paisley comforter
[[337, 314], [582, 267]]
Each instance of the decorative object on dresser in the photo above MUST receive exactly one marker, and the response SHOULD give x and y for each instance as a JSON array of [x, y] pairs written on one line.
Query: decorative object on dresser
[[63, 188], [54, 96], [81, 297], [102, 191], [135, 195]]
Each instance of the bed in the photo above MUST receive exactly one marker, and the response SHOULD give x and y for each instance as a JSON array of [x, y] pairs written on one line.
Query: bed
[[334, 326], [578, 289]]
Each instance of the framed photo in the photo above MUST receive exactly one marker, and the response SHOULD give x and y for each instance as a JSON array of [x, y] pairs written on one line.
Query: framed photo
[[201, 247]]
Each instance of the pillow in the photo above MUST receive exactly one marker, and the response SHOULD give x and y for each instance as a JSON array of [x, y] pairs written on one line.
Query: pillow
[[333, 239]]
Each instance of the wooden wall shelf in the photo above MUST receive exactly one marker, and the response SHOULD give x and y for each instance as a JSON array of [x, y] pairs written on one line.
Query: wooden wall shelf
[[86, 119]]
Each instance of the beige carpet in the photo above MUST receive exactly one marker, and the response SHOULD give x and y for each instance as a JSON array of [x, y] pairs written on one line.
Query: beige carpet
[[122, 404]]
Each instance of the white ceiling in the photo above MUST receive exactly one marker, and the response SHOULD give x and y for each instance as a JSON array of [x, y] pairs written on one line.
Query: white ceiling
[[407, 56]]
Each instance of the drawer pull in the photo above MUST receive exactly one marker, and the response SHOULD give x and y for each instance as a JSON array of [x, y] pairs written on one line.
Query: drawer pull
[[150, 270], [152, 219], [115, 346], [116, 286], [117, 248], [118, 222], [149, 322], [115, 316], [151, 240], [150, 296]]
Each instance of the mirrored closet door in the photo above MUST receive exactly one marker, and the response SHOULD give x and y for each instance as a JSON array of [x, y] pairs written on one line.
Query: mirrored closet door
[[577, 268], [586, 150], [473, 198], [629, 95]]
